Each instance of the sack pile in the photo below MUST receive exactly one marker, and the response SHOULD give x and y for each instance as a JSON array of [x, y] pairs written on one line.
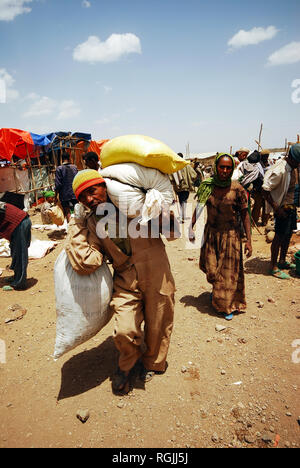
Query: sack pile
[[135, 169], [143, 150]]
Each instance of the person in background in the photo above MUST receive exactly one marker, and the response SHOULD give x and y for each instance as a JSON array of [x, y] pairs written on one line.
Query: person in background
[[259, 205], [279, 188], [198, 169], [15, 226], [187, 177], [221, 255], [91, 161], [49, 197], [64, 177], [265, 154], [242, 154], [143, 283]]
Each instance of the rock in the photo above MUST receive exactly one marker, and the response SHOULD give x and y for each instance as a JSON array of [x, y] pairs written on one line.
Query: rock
[[215, 437], [242, 340], [250, 439], [183, 369], [83, 415], [259, 304], [220, 328], [270, 236], [267, 437], [17, 313], [270, 299]]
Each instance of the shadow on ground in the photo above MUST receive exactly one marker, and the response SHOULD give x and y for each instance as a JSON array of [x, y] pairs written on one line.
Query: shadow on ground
[[202, 303], [257, 266], [89, 369], [30, 283]]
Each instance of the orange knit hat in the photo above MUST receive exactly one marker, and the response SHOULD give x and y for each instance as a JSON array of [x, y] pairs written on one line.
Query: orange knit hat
[[85, 179]]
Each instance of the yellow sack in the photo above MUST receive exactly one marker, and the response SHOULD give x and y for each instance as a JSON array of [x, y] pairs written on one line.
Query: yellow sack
[[57, 215], [143, 150]]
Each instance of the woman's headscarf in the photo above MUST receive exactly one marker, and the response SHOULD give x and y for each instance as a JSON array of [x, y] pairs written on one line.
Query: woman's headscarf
[[206, 187]]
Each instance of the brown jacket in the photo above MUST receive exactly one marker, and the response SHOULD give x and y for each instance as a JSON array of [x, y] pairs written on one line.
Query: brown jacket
[[86, 252]]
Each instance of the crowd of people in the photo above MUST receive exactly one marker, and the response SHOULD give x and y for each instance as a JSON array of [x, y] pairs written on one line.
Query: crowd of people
[[241, 189]]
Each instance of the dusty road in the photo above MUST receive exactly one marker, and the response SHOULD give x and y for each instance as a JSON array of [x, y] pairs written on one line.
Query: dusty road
[[231, 387]]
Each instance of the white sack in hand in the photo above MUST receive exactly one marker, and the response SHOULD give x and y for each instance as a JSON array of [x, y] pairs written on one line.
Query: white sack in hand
[[82, 304]]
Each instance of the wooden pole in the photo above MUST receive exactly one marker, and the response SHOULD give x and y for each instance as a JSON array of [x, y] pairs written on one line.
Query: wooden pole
[[259, 139], [31, 172], [259, 145]]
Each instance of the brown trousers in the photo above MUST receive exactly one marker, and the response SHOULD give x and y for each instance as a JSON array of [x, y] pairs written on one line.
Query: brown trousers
[[144, 294]]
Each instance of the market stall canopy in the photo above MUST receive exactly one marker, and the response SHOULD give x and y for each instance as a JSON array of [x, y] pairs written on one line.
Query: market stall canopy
[[21, 143], [94, 146], [67, 140]]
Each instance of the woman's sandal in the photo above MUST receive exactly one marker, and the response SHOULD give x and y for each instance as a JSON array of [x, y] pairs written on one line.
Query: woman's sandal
[[279, 274], [120, 381], [228, 316]]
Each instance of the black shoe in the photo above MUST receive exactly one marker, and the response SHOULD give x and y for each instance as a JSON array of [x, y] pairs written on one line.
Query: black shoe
[[145, 375], [121, 381]]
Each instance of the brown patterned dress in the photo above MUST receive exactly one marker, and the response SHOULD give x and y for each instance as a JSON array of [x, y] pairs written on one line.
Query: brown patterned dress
[[221, 255]]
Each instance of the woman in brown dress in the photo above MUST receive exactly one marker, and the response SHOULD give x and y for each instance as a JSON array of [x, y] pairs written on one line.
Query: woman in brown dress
[[221, 255]]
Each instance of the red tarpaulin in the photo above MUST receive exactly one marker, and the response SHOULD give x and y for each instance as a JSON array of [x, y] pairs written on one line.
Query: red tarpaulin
[[10, 138], [21, 143]]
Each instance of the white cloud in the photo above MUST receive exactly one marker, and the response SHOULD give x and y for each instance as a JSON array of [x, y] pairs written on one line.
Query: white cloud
[[10, 91], [286, 55], [108, 120], [31, 96], [107, 89], [86, 4], [68, 109], [42, 106], [117, 45], [9, 9], [254, 36]]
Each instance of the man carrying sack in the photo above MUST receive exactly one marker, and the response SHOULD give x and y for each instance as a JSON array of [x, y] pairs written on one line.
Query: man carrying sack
[[279, 189], [143, 284]]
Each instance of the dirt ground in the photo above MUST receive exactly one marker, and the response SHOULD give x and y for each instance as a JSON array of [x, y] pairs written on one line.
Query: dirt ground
[[231, 387]]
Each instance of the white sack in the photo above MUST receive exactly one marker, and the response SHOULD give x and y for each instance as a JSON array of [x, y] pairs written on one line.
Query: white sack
[[4, 248], [39, 248], [137, 190], [82, 304]]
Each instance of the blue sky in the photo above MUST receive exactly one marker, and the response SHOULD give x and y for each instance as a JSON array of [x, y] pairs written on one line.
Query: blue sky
[[203, 73]]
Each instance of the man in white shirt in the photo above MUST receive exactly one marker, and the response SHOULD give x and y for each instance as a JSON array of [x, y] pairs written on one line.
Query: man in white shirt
[[279, 191]]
